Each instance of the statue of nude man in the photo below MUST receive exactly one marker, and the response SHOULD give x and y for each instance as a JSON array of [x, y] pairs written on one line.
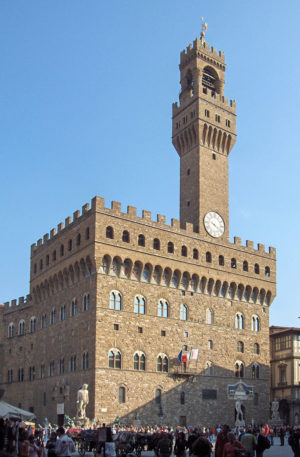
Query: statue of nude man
[[82, 400]]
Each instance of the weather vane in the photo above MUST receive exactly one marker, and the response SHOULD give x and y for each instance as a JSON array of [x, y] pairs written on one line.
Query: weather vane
[[203, 30]]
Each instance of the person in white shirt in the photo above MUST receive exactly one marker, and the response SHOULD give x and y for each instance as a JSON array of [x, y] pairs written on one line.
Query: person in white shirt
[[65, 445]]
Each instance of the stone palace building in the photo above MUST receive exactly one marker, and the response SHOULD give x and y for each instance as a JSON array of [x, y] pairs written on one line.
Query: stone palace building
[[165, 323]]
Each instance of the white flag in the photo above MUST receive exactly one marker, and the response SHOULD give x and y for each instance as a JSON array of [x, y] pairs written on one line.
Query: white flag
[[194, 354]]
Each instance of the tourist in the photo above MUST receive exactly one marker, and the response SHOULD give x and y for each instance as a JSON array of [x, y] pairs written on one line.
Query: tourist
[[232, 447], [65, 445], [222, 438]]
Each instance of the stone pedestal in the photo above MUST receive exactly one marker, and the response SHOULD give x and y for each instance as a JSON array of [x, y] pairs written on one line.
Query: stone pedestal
[[82, 422]]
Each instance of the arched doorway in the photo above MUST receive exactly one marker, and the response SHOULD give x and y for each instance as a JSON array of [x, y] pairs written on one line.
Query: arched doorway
[[284, 411]]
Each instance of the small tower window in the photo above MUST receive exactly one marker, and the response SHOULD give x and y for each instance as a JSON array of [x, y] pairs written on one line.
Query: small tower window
[[217, 118], [156, 244], [170, 247], [267, 272], [126, 236], [208, 257], [141, 240], [195, 254], [233, 263], [188, 172], [110, 232], [245, 265], [221, 260], [184, 251], [206, 113], [214, 157], [227, 123], [256, 268]]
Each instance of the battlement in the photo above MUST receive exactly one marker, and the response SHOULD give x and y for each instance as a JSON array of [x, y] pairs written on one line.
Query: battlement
[[98, 205], [16, 303], [217, 99], [77, 215], [204, 50]]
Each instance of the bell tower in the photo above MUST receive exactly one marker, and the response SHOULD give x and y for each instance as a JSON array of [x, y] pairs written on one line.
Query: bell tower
[[203, 134]]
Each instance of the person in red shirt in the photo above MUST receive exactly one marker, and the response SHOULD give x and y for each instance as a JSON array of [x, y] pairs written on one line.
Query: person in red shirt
[[232, 446], [221, 440]]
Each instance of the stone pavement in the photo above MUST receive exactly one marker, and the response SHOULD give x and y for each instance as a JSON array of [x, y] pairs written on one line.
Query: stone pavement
[[274, 451]]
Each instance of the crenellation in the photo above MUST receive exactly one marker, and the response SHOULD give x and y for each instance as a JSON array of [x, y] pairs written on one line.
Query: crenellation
[[14, 302], [68, 221], [189, 227], [39, 242], [161, 218], [45, 238], [52, 233], [60, 227], [21, 301], [76, 215], [261, 247], [85, 208], [249, 244], [116, 206], [237, 241], [131, 211], [98, 203], [175, 223], [33, 248], [146, 215]]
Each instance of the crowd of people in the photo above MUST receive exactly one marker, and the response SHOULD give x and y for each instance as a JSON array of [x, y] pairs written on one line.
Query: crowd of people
[[19, 440]]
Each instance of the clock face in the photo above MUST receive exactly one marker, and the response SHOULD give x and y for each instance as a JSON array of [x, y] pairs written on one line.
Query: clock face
[[214, 224]]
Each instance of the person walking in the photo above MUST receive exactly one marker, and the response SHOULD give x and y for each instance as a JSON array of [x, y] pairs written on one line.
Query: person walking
[[222, 438], [51, 445], [294, 440], [249, 442], [263, 443], [232, 447], [65, 445]]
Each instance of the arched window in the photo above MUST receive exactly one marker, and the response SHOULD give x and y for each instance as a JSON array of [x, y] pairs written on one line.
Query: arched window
[[240, 346], [256, 268], [32, 324], [70, 245], [170, 247], [11, 330], [210, 344], [239, 321], [182, 398], [139, 361], [255, 371], [209, 369], [221, 260], [87, 233], [156, 244], [183, 312], [184, 251], [256, 348], [255, 324], [110, 232], [245, 265], [62, 250], [139, 304], [85, 360], [53, 317], [86, 302], [233, 263], [141, 240], [162, 363], [114, 359], [267, 272], [239, 369], [195, 254], [126, 236], [54, 256], [21, 327], [63, 314], [122, 394], [115, 300], [163, 308], [158, 396], [209, 316], [78, 239], [74, 307], [208, 257]]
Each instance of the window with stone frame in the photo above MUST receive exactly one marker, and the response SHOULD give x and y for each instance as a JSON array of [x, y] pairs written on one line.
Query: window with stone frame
[[115, 300], [114, 359]]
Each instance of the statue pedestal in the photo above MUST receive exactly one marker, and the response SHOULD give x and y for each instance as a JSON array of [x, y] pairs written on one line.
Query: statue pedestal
[[82, 422]]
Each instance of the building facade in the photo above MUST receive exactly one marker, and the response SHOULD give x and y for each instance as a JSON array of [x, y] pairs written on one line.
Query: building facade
[[165, 323], [285, 372]]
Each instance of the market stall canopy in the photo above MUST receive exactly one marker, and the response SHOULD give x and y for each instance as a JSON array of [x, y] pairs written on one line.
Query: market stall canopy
[[9, 411]]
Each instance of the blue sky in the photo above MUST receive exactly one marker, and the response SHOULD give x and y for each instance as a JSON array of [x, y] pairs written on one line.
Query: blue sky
[[85, 109]]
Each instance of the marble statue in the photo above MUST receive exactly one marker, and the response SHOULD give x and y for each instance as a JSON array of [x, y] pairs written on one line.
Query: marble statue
[[82, 401]]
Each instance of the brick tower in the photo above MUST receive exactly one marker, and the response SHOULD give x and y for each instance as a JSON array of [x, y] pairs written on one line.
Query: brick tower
[[204, 127]]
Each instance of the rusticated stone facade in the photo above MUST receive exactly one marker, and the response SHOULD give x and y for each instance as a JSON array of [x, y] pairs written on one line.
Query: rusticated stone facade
[[115, 297]]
